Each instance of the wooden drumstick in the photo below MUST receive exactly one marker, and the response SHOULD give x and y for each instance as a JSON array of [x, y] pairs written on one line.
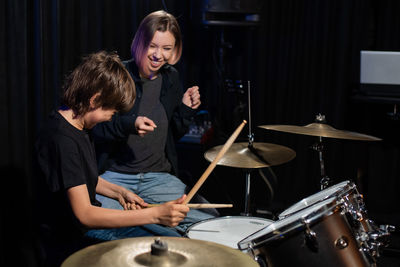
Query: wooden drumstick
[[210, 168]]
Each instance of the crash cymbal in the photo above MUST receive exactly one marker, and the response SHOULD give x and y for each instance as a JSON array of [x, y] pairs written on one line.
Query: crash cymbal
[[322, 130], [260, 155], [151, 251]]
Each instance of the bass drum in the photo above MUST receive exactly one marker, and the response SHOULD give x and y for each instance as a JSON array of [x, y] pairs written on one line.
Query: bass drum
[[227, 230], [319, 235]]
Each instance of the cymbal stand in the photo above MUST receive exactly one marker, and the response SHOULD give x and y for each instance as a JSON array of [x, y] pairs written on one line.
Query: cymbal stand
[[251, 140], [251, 135], [319, 147]]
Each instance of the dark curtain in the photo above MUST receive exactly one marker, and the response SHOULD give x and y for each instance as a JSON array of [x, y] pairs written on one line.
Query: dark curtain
[[302, 59], [311, 65]]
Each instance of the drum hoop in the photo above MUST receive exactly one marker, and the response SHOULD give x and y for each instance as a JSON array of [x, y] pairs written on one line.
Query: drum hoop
[[223, 218], [347, 187], [332, 205]]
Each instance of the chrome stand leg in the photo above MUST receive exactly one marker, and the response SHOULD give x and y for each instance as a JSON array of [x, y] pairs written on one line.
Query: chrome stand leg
[[247, 196]]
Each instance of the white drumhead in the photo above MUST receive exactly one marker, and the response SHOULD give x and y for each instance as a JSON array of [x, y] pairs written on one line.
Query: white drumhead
[[228, 230], [311, 200], [289, 223]]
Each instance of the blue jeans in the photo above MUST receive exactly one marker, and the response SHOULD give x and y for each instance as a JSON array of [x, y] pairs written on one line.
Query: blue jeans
[[126, 232], [152, 188]]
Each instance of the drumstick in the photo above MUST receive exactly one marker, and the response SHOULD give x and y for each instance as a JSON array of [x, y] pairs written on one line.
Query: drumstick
[[199, 205], [223, 150]]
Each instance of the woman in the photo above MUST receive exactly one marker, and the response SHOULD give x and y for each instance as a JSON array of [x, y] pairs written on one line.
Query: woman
[[66, 161], [147, 164]]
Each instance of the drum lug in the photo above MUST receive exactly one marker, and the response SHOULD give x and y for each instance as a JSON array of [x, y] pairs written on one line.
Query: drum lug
[[252, 253], [260, 261], [310, 238], [380, 238], [387, 229], [357, 213], [362, 237], [375, 240]]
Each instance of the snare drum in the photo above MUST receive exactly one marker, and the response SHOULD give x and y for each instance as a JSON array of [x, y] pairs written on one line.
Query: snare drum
[[319, 235], [227, 230]]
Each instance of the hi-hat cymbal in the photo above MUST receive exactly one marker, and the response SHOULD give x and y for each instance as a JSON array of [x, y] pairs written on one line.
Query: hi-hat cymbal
[[260, 155], [181, 252], [322, 130]]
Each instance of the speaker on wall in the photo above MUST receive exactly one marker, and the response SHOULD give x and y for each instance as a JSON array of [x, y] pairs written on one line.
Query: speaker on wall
[[227, 12]]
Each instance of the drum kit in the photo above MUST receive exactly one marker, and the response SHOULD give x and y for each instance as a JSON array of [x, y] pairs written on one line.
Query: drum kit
[[330, 227]]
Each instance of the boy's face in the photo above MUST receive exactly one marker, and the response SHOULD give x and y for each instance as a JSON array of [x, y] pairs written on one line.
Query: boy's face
[[98, 115]]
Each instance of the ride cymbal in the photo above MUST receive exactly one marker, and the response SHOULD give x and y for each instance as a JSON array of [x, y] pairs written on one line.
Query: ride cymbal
[[322, 130], [146, 251], [259, 155]]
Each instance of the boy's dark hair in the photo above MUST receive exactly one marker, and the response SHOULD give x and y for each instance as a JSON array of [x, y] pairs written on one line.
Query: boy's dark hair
[[103, 73]]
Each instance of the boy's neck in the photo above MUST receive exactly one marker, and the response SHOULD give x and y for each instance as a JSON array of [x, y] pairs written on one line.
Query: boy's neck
[[68, 114]]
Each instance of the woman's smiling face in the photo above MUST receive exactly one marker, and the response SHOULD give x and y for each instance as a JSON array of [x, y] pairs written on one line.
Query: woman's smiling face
[[160, 50]]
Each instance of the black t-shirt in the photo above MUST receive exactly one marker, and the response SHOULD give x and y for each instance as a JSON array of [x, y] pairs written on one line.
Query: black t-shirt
[[65, 158]]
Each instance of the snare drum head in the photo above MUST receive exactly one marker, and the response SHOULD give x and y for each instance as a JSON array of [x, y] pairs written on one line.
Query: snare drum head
[[295, 221], [311, 200], [227, 230]]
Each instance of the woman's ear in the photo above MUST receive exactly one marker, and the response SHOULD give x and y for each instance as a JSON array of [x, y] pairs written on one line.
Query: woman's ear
[[93, 100]]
